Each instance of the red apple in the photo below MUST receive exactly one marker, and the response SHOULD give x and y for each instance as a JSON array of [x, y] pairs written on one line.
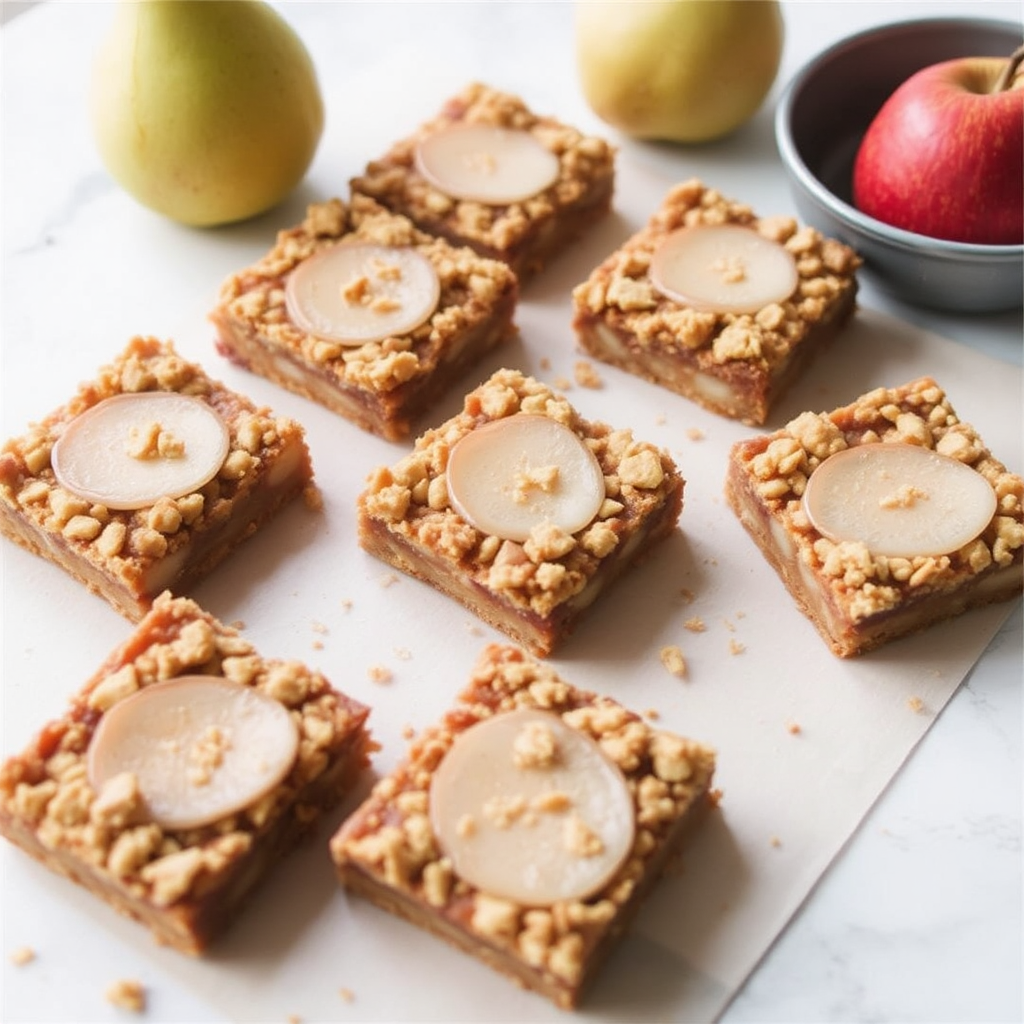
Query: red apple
[[944, 157]]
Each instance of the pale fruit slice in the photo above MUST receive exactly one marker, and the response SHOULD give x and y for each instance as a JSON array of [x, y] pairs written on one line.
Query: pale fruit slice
[[513, 474], [201, 748], [723, 268], [486, 163], [531, 810], [357, 292], [128, 451], [899, 500]]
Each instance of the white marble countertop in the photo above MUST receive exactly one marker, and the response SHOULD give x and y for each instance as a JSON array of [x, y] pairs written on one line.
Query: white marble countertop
[[920, 917]]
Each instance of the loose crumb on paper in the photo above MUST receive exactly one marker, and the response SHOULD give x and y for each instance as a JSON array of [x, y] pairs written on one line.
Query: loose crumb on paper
[[380, 674], [915, 704], [127, 994], [587, 376], [346, 994], [695, 624], [388, 579], [22, 955], [794, 728], [695, 434], [674, 661], [735, 647]]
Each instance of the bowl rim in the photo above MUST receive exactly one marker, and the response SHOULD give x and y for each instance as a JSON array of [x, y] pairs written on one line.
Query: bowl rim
[[911, 241]]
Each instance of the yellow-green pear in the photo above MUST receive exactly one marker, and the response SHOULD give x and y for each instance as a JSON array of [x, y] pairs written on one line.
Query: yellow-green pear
[[677, 70], [207, 111]]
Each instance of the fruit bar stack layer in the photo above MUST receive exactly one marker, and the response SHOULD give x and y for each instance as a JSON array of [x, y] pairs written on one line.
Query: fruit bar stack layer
[[148, 477], [520, 509], [715, 303], [881, 517], [528, 825], [182, 772], [375, 331], [489, 173]]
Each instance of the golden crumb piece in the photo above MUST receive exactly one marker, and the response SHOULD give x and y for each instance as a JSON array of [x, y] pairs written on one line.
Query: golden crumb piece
[[562, 383], [347, 994], [776, 842], [388, 579], [915, 704], [23, 955], [317, 645], [794, 728], [313, 498], [735, 647], [127, 994], [652, 714], [695, 434], [380, 674], [695, 624], [687, 595], [586, 375], [673, 660]]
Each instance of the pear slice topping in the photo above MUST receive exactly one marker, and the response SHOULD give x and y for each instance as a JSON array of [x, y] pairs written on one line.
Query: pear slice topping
[[200, 748], [486, 163], [357, 292], [900, 500], [515, 473], [128, 451], [531, 810], [723, 268]]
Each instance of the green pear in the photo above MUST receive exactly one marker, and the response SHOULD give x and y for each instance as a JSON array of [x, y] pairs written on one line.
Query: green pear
[[677, 70], [207, 111]]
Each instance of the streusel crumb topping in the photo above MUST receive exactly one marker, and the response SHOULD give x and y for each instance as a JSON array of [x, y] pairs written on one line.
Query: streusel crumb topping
[[391, 835], [620, 290], [551, 566], [917, 413], [583, 159], [125, 543], [47, 787], [470, 288]]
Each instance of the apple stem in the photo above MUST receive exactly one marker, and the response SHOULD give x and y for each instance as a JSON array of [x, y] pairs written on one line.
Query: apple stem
[[1008, 72]]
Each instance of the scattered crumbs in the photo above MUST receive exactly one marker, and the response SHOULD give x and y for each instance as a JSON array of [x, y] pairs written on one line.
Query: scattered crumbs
[[711, 560], [776, 842], [673, 660], [562, 383], [586, 375], [312, 498], [380, 674], [652, 714], [23, 955], [728, 625], [545, 363], [915, 704], [741, 615], [318, 645], [403, 653], [695, 624], [319, 627], [126, 994], [346, 604], [347, 994], [294, 1018], [660, 420], [695, 434], [408, 732], [735, 647], [715, 797], [474, 629], [687, 595], [794, 728], [388, 579]]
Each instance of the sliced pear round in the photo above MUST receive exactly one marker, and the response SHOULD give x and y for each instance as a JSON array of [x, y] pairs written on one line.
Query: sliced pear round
[[531, 810], [201, 748], [515, 473], [900, 500], [486, 163], [128, 451], [357, 292], [723, 268]]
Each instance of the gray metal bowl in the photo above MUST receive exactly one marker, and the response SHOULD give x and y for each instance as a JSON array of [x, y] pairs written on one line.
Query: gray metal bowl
[[819, 122]]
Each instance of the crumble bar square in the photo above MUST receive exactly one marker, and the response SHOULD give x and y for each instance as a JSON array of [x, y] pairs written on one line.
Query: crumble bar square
[[536, 591], [735, 364], [525, 234], [388, 851], [185, 884], [381, 386], [130, 556], [858, 600]]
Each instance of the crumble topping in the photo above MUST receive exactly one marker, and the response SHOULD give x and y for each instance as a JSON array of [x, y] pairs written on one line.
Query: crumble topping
[[620, 291], [47, 789], [551, 566], [127, 994], [394, 181], [470, 287], [916, 413]]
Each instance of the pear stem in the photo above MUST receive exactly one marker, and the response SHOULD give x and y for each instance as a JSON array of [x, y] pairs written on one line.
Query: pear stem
[[1008, 72]]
